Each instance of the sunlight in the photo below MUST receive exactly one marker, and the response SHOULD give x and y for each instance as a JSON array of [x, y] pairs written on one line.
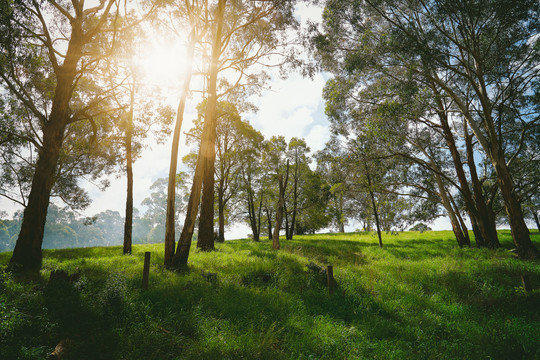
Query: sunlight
[[162, 64]]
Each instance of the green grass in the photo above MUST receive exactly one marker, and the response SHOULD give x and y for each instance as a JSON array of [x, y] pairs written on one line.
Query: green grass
[[420, 297]]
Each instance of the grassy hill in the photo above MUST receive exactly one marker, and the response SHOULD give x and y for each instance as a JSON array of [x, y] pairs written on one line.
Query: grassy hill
[[420, 297]]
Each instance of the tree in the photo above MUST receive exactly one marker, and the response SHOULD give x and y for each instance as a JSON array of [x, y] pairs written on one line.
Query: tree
[[312, 203], [298, 154], [142, 114], [276, 158], [156, 205], [70, 41], [253, 177], [232, 144], [486, 71], [198, 26], [242, 35]]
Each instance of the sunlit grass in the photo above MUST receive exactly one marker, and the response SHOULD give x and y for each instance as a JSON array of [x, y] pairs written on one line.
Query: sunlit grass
[[420, 297]]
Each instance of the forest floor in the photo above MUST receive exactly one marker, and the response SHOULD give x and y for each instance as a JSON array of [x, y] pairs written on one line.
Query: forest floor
[[420, 297]]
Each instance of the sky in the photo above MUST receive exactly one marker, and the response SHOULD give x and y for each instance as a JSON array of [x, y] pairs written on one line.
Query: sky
[[292, 107]]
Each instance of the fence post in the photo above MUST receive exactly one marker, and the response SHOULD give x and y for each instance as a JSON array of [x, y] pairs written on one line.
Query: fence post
[[330, 279], [146, 270]]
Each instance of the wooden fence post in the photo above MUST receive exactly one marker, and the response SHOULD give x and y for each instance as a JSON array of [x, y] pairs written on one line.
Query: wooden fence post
[[330, 279], [146, 270]]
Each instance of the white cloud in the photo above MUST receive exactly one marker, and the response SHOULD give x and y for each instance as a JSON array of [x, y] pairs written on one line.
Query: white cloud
[[290, 107], [317, 137]]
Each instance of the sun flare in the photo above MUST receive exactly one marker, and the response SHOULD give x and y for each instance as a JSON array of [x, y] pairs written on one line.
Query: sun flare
[[162, 64]]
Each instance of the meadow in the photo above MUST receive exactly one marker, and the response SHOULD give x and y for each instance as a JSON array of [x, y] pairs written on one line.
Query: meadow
[[420, 297]]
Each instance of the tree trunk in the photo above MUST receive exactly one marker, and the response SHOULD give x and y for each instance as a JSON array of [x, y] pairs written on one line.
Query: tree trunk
[[205, 239], [286, 214], [251, 209], [480, 228], [280, 206], [171, 187], [492, 147], [375, 213], [456, 228], [180, 258], [128, 221], [259, 217], [520, 232], [269, 219], [341, 227], [485, 213], [27, 253], [461, 222], [535, 215], [221, 214], [295, 201]]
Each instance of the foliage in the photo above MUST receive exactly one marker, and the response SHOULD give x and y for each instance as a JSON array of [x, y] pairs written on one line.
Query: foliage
[[421, 297]]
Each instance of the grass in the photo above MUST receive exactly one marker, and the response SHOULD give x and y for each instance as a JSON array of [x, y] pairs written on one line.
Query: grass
[[420, 297]]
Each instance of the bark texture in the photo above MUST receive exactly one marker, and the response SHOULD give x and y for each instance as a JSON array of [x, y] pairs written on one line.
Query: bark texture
[[205, 239]]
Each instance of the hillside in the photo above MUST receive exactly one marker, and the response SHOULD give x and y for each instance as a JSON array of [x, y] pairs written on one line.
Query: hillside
[[420, 297]]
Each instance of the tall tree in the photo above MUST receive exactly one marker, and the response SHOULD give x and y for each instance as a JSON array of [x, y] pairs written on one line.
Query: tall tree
[[298, 153], [71, 41], [197, 22], [253, 177], [243, 36], [233, 143], [486, 70]]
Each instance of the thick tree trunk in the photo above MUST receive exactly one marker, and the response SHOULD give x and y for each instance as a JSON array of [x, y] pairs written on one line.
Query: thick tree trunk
[[485, 213], [520, 232], [27, 253], [341, 227], [128, 221], [205, 239], [171, 187], [180, 258]]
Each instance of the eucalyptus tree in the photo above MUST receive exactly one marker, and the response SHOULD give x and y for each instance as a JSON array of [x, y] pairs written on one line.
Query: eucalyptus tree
[[142, 114], [156, 204], [242, 38], [298, 154], [233, 144], [253, 178], [312, 203], [50, 57], [481, 55], [278, 164], [193, 17]]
